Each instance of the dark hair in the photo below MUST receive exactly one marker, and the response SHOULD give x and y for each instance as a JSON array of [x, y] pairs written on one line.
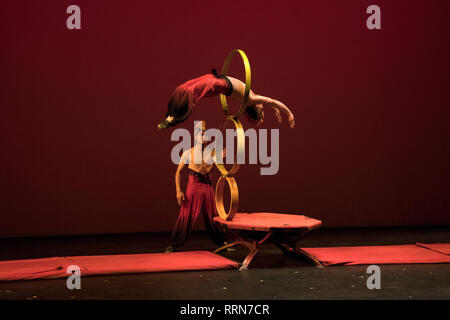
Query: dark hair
[[178, 109], [178, 105], [254, 113]]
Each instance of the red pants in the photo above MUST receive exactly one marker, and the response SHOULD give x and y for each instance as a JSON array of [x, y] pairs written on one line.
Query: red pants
[[199, 198]]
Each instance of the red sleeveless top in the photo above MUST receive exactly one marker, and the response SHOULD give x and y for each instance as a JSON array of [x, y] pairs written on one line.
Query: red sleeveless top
[[208, 85]]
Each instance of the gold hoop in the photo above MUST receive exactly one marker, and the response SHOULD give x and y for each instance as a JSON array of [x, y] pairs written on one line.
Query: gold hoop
[[248, 82], [234, 205], [240, 148]]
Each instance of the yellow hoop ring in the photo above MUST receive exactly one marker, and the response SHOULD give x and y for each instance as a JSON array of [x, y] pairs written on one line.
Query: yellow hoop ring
[[240, 148], [234, 205], [248, 82]]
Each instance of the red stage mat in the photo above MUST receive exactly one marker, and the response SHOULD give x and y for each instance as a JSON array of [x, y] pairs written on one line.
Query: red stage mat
[[402, 254], [51, 268], [439, 247]]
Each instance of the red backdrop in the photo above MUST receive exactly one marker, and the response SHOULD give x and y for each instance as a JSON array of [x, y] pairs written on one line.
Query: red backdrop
[[80, 151]]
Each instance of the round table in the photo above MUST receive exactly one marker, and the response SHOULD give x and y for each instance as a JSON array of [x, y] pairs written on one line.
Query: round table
[[284, 230]]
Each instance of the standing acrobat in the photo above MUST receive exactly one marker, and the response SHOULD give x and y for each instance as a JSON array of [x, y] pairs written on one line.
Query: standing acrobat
[[199, 197], [187, 95]]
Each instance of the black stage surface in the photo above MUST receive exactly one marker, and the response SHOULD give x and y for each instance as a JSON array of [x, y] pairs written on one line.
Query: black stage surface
[[270, 276]]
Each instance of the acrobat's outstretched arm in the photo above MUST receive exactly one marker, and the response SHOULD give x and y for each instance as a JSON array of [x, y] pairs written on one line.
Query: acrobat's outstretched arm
[[255, 99], [258, 101], [184, 162]]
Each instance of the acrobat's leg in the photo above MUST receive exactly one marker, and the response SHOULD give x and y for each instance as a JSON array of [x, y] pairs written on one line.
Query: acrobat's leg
[[209, 212], [190, 209]]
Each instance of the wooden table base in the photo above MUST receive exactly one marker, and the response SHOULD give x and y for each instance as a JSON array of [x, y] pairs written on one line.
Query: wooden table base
[[285, 240]]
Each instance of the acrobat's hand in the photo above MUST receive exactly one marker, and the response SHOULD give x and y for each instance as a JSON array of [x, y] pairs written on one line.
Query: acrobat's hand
[[279, 118], [180, 197], [277, 115]]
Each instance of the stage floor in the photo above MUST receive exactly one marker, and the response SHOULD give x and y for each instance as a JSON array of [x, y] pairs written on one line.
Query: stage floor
[[271, 276]]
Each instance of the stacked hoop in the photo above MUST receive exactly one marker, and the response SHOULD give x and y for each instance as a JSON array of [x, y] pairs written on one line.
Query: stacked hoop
[[228, 175]]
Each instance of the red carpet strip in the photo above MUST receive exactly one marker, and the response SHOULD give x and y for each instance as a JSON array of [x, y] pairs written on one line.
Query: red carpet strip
[[400, 254], [56, 267], [443, 248]]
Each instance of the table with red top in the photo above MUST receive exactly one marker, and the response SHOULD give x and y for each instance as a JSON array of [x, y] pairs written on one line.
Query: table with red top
[[284, 230]]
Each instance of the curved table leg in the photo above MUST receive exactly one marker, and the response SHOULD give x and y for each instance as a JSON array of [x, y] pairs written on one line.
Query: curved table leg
[[296, 252], [254, 251], [301, 252], [290, 248], [283, 249], [252, 245], [248, 259], [229, 245]]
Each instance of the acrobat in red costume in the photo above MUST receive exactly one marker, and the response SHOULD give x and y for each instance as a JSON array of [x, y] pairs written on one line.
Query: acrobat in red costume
[[187, 95], [199, 197]]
